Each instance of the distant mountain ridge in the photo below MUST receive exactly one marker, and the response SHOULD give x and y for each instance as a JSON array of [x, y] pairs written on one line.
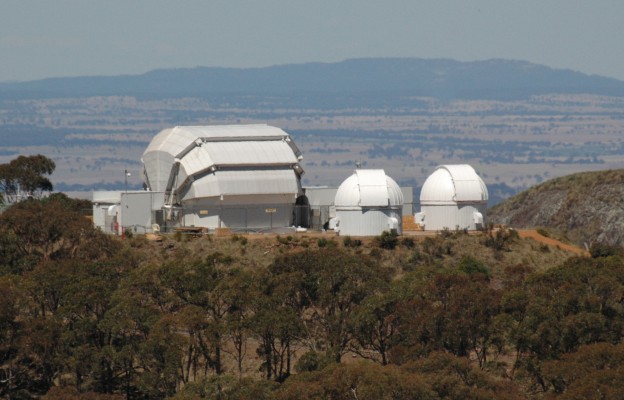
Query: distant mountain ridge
[[587, 207], [438, 78]]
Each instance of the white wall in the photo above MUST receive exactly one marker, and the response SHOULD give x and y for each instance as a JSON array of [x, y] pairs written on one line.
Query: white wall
[[240, 212], [367, 222], [451, 216], [136, 209], [100, 212]]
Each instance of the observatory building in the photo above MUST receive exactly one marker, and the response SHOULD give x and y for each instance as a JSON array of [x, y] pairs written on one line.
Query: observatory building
[[232, 176], [452, 197], [368, 203]]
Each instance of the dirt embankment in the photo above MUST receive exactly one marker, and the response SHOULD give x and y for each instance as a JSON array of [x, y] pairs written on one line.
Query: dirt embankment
[[532, 234]]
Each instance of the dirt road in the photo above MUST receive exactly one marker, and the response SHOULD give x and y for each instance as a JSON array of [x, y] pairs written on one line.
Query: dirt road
[[551, 242]]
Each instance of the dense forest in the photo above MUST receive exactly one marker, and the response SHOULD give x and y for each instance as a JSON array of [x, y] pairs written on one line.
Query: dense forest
[[84, 315]]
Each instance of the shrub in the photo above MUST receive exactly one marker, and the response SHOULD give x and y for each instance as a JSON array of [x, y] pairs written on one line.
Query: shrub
[[500, 239], [387, 240], [311, 361], [348, 242], [235, 238], [323, 242], [446, 233], [433, 247], [470, 265], [127, 232], [543, 232], [239, 238], [598, 250], [219, 258], [408, 242], [375, 253], [282, 240]]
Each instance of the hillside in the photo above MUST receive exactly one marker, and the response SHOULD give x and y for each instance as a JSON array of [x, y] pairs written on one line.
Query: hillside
[[376, 78], [586, 207], [85, 315]]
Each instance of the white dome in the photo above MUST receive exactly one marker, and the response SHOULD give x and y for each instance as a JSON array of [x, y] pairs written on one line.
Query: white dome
[[452, 184], [368, 188]]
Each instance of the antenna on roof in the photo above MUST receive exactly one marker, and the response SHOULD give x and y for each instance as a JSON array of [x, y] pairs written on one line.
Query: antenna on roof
[[358, 164]]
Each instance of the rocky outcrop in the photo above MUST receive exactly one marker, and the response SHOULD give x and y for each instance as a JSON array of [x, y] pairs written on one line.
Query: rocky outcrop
[[587, 207]]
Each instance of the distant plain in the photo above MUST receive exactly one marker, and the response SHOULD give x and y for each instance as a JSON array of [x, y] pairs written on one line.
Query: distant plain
[[513, 142]]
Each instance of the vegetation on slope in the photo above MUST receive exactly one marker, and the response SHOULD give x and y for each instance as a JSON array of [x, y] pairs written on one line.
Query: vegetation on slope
[[86, 315], [585, 207]]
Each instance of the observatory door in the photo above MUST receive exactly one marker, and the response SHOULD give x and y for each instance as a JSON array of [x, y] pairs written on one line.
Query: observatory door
[[302, 212]]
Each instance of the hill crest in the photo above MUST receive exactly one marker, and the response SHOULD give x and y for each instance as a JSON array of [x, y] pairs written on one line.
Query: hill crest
[[444, 79], [587, 207]]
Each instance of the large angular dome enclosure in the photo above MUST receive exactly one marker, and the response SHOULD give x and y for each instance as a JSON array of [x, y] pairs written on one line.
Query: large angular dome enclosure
[[453, 197], [368, 203], [231, 176]]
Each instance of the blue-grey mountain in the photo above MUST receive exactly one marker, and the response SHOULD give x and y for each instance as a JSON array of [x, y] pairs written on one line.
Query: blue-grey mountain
[[375, 79]]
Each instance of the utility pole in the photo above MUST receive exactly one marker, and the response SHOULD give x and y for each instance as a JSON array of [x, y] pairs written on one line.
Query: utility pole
[[126, 175]]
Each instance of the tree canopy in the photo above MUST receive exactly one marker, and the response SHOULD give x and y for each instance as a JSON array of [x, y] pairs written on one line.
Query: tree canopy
[[84, 315], [24, 177]]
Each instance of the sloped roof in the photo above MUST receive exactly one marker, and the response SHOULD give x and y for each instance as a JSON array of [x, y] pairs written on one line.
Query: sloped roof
[[205, 160], [230, 183], [452, 184]]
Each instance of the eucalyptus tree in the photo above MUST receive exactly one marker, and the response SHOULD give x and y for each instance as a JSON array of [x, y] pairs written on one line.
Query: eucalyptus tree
[[324, 286], [45, 230], [374, 326], [450, 312], [26, 176]]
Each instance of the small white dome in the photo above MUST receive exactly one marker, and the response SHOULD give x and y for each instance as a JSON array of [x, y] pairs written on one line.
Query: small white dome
[[369, 188], [452, 184]]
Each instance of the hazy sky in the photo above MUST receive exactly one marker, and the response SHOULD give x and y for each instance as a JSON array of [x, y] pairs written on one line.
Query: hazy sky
[[51, 38]]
